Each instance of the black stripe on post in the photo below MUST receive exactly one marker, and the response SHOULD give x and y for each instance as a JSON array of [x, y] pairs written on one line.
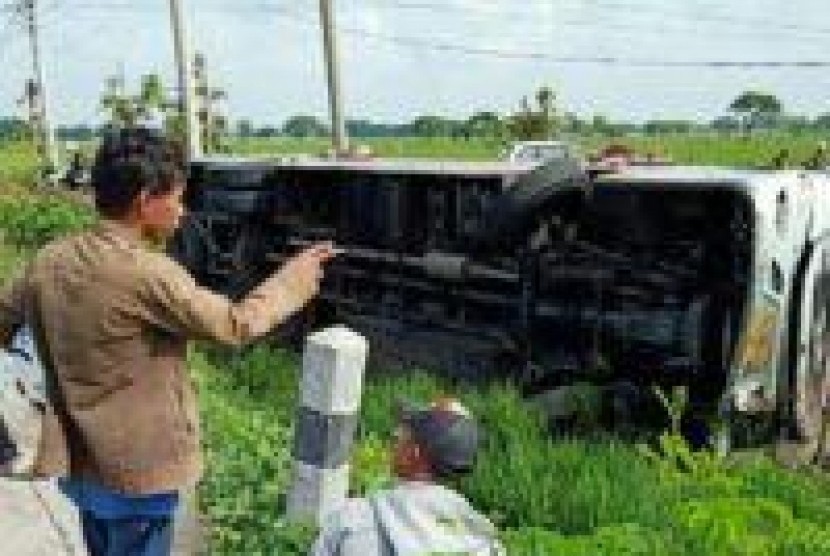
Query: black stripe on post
[[323, 441]]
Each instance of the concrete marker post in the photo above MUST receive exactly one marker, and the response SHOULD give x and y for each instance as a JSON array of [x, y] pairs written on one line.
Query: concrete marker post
[[334, 360]]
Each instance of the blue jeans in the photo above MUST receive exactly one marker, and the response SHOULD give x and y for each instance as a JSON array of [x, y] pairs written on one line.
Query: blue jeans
[[130, 536]]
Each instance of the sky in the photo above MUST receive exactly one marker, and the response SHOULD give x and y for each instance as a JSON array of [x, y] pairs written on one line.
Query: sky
[[630, 60]]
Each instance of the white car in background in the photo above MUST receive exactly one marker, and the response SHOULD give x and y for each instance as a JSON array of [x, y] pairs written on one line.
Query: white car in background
[[540, 151]]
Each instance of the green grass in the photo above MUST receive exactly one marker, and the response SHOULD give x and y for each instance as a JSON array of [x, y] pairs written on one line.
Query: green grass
[[721, 150], [17, 164], [700, 148], [548, 495]]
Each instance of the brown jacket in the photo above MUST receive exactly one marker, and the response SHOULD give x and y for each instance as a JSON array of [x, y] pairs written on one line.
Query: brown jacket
[[112, 319]]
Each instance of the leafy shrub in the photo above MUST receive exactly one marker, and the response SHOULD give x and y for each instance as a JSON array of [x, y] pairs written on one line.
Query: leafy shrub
[[247, 435], [564, 496], [623, 539], [33, 221], [18, 163]]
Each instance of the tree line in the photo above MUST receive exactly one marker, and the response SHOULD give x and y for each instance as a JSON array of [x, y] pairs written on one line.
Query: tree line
[[536, 116]]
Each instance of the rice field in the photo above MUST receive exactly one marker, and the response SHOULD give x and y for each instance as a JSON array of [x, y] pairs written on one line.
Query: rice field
[[703, 148]]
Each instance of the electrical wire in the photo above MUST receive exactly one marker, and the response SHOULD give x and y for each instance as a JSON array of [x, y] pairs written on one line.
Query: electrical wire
[[708, 12], [504, 54], [302, 13], [631, 30], [602, 23]]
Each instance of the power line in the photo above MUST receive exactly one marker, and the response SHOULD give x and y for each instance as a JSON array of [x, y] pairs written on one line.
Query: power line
[[631, 7], [633, 30], [441, 46], [506, 54], [643, 8], [757, 25], [458, 45], [710, 15], [611, 23]]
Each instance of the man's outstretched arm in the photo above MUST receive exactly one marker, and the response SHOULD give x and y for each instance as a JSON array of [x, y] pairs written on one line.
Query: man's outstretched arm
[[172, 300]]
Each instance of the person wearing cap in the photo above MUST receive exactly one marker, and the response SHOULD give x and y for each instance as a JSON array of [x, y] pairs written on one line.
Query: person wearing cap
[[112, 315], [421, 515]]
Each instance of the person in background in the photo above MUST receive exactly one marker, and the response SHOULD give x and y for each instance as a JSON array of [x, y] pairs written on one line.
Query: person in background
[[112, 315], [422, 514], [76, 175]]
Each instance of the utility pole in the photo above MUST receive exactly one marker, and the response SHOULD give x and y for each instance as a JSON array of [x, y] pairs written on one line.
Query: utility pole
[[212, 119], [338, 124], [187, 92], [32, 111], [36, 93], [202, 99]]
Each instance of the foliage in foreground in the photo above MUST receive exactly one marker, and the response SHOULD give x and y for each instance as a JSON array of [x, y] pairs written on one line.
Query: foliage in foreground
[[31, 221], [17, 162], [548, 495]]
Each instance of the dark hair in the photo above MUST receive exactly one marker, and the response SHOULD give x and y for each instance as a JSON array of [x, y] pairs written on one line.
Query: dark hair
[[130, 161]]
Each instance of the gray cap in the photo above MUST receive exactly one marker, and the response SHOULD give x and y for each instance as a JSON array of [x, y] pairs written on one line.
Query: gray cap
[[446, 430]]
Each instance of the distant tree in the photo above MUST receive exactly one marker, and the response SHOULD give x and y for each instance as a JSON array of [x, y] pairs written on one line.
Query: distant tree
[[149, 106], [657, 127], [245, 128], [621, 129], [484, 124], [822, 122], [303, 125], [600, 124], [546, 103], [119, 106], [756, 109], [571, 123], [726, 124], [794, 123], [267, 132], [151, 97], [13, 129], [366, 128], [539, 121], [76, 133], [433, 126]]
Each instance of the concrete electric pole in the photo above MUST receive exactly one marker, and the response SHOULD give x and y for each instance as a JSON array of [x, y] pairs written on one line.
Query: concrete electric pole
[[338, 124], [36, 92], [187, 92], [211, 109]]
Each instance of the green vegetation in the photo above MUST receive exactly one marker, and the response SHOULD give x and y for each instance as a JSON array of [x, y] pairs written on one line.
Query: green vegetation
[[548, 495], [17, 163], [704, 148], [721, 150], [34, 220], [564, 496]]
